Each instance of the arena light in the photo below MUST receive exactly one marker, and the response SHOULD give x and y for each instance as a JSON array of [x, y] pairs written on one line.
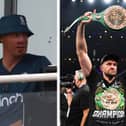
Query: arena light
[[107, 1], [124, 1], [90, 1], [73, 0]]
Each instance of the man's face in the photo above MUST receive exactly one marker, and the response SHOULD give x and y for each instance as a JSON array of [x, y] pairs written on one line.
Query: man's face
[[77, 75], [76, 80], [109, 68], [15, 43]]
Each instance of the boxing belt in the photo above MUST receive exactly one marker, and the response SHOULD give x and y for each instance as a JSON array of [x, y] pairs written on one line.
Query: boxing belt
[[113, 18]]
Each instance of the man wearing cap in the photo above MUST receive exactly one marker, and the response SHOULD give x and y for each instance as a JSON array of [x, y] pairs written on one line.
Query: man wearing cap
[[107, 91], [80, 102], [14, 34]]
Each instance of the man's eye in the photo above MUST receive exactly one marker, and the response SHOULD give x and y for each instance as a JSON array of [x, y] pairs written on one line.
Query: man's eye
[[109, 64], [114, 64], [16, 34]]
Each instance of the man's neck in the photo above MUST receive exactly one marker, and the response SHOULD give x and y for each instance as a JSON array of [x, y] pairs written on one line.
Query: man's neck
[[10, 62], [108, 79]]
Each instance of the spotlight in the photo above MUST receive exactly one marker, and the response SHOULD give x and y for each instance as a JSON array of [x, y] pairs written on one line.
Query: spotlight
[[73, 0], [68, 36], [69, 59], [118, 1], [111, 37], [91, 1], [105, 31], [100, 36], [121, 37], [124, 1], [89, 36], [107, 1]]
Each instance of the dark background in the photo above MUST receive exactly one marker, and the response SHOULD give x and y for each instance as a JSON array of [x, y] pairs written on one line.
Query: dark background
[[100, 40]]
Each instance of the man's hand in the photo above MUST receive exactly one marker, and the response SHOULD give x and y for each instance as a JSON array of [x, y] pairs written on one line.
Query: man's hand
[[89, 16]]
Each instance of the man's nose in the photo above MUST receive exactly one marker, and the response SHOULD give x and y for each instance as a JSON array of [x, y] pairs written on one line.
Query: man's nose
[[113, 66], [21, 39]]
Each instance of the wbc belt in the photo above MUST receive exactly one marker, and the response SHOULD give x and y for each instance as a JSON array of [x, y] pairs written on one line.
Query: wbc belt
[[113, 18]]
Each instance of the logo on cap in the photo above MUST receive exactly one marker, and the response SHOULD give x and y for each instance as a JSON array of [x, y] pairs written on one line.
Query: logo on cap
[[22, 20]]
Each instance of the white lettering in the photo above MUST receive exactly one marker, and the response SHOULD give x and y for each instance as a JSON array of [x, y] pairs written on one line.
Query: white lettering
[[108, 114], [10, 99]]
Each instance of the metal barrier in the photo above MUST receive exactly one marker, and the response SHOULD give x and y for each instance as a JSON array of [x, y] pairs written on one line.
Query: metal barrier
[[28, 77]]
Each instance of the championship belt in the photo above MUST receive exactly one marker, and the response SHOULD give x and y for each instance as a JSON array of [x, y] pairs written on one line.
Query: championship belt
[[113, 18]]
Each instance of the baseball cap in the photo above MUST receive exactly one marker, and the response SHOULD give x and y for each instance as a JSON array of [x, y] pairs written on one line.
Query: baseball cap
[[107, 57]]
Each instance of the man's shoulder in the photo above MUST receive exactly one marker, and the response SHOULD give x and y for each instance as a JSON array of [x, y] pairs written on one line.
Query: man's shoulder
[[84, 89], [33, 56], [94, 75], [36, 58]]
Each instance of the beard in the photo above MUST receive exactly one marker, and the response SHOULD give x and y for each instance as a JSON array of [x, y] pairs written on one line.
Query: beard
[[110, 76]]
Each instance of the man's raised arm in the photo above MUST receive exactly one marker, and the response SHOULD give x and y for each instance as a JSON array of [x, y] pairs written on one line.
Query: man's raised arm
[[81, 45]]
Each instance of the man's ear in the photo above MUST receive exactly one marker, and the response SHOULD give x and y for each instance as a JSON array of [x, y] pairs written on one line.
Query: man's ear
[[1, 39], [100, 67]]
